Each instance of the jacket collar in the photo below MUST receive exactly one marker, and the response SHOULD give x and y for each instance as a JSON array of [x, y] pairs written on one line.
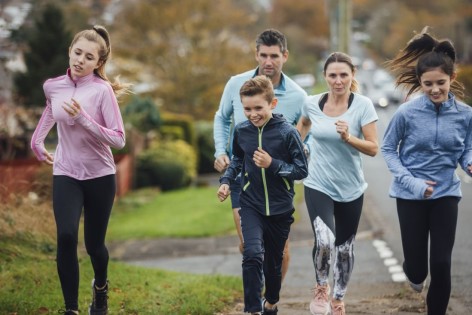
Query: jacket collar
[[447, 104], [279, 90], [79, 81]]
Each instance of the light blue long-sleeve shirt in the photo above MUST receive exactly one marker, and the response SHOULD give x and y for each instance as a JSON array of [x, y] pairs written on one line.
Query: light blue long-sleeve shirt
[[336, 167], [424, 143], [290, 101]]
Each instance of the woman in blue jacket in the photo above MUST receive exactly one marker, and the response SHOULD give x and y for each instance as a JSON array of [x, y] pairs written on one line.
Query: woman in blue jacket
[[427, 138]]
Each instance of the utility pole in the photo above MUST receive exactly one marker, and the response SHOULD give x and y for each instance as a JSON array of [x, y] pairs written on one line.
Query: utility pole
[[345, 17], [340, 16]]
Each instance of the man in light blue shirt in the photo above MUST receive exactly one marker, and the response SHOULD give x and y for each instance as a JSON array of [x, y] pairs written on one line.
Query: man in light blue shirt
[[271, 55]]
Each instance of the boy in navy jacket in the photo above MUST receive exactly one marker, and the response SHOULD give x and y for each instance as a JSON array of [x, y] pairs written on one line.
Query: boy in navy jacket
[[268, 152]]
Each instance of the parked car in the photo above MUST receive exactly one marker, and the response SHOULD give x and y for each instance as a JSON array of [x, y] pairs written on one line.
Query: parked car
[[383, 91]]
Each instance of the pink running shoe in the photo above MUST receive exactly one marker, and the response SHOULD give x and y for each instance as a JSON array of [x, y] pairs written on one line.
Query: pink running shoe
[[338, 308], [319, 305]]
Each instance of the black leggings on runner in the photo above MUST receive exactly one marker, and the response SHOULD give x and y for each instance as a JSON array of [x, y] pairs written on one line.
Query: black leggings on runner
[[435, 221], [95, 197]]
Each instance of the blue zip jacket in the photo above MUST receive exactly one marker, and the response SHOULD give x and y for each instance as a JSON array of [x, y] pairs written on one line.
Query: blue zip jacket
[[424, 143], [269, 191]]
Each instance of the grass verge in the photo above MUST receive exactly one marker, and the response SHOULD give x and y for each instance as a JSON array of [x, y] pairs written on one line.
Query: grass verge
[[29, 283], [192, 212], [28, 278]]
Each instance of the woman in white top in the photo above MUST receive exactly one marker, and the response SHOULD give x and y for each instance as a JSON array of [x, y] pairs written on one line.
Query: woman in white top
[[342, 125]]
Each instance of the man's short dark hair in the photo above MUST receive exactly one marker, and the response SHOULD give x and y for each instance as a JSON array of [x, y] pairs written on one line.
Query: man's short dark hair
[[271, 37]]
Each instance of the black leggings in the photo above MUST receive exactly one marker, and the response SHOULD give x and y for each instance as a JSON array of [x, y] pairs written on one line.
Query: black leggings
[[70, 196], [434, 220]]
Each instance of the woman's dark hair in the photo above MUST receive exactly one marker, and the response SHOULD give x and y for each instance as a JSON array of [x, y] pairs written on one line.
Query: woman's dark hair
[[423, 53], [342, 57]]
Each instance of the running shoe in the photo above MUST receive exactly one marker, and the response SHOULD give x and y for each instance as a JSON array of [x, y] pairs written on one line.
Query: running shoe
[[99, 305], [319, 305], [338, 308]]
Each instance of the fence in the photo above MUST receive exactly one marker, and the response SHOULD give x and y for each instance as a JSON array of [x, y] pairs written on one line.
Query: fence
[[18, 176]]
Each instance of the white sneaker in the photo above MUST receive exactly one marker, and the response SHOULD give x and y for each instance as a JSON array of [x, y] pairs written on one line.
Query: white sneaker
[[320, 304]]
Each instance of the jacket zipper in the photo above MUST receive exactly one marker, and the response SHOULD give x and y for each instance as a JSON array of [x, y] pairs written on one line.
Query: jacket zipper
[[264, 181], [437, 124], [70, 120]]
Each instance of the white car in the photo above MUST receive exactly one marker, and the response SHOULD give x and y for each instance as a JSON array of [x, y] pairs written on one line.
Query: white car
[[383, 91]]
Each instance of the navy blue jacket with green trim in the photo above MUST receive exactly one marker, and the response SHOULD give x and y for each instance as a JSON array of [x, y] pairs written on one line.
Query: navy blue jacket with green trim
[[269, 191]]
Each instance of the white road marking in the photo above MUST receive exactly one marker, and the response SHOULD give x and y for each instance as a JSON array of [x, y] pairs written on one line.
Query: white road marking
[[395, 270]]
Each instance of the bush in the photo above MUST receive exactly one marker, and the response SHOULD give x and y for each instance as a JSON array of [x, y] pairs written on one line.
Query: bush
[[167, 164], [143, 114], [173, 122], [168, 175], [206, 147]]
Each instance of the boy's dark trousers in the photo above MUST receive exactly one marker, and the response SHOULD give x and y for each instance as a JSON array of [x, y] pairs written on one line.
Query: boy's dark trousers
[[264, 242]]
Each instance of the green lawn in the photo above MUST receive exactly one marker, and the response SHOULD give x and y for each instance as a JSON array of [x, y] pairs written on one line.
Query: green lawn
[[29, 285], [28, 278], [193, 212]]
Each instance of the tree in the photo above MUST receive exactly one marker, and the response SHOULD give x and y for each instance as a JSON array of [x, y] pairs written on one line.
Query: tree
[[47, 43], [305, 23], [143, 114], [184, 50], [391, 24]]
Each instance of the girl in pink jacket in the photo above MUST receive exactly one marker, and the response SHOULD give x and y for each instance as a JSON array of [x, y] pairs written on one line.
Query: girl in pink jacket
[[84, 106]]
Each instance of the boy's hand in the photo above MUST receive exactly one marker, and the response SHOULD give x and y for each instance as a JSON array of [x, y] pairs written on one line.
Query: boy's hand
[[223, 192], [261, 158]]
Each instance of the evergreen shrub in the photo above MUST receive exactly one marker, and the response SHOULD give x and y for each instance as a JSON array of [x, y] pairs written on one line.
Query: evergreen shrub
[[206, 147], [168, 164]]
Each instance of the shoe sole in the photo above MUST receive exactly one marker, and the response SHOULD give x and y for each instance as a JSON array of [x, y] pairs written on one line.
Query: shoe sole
[[90, 312]]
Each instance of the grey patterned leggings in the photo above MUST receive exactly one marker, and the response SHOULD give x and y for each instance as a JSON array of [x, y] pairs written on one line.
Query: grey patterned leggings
[[334, 226]]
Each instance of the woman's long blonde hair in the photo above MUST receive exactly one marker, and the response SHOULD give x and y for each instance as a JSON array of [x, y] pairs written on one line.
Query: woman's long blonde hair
[[99, 35]]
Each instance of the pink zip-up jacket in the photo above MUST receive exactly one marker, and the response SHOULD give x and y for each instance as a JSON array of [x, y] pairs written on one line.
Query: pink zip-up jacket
[[83, 150]]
